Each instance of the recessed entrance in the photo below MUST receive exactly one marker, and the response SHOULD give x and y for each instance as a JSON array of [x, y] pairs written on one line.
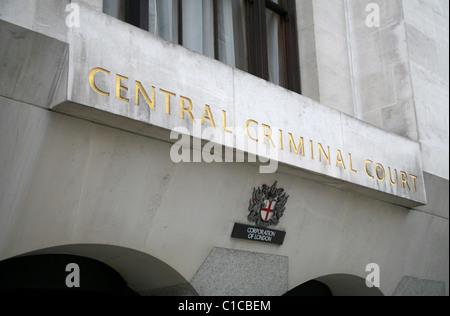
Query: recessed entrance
[[335, 285], [60, 275], [102, 270]]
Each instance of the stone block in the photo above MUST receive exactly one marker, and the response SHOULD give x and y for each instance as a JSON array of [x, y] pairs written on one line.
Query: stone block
[[336, 89], [330, 16], [390, 14], [377, 89], [442, 52], [229, 272], [435, 160], [437, 196], [422, 49], [400, 119], [411, 286], [37, 61]]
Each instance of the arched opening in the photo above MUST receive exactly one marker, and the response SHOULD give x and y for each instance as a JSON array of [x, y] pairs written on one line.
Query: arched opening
[[102, 269], [60, 275], [310, 288], [335, 285]]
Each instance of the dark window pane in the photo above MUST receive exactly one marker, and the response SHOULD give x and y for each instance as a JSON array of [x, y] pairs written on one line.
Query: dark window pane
[[115, 8]]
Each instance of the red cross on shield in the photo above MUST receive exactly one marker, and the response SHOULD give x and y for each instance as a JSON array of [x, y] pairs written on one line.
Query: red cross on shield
[[267, 210]]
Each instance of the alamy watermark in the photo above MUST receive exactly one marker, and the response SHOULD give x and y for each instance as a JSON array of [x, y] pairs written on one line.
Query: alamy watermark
[[373, 18], [373, 278], [237, 145], [73, 278], [73, 18]]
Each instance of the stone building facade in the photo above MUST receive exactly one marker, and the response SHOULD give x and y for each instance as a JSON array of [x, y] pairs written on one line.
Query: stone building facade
[[93, 111]]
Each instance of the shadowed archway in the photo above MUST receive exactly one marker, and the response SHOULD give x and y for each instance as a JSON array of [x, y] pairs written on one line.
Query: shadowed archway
[[140, 272], [335, 285]]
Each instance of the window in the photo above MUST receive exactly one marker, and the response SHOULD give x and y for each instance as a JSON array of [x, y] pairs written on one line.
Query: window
[[272, 42], [257, 36]]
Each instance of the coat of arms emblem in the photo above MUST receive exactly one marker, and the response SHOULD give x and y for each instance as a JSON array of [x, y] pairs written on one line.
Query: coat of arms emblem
[[267, 205]]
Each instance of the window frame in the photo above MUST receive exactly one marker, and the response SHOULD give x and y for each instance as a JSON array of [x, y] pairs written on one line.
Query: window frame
[[258, 61], [137, 14]]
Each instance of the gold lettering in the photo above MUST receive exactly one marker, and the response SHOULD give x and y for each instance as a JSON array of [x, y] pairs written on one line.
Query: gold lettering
[[119, 88], [339, 159], [351, 164], [269, 137], [322, 151], [168, 94], [183, 109], [414, 182], [300, 145], [404, 177], [365, 168], [209, 117], [382, 169], [281, 139], [246, 129], [92, 80], [140, 89], [224, 119], [390, 176], [311, 148]]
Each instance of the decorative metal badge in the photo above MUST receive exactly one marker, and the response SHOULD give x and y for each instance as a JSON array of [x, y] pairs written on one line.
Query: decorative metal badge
[[267, 205]]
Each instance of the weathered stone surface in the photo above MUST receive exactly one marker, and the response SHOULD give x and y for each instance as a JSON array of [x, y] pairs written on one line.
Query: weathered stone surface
[[410, 286], [329, 137], [228, 272]]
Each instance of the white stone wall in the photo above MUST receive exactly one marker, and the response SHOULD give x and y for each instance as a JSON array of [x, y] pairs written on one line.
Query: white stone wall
[[67, 180], [381, 64], [427, 35], [394, 76]]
